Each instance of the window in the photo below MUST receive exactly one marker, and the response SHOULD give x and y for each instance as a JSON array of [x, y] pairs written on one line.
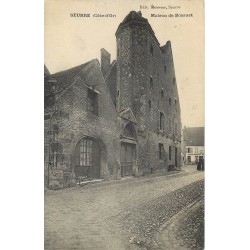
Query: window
[[85, 152], [189, 159], [175, 102], [52, 88], [196, 150], [190, 150], [149, 104], [196, 159], [52, 85], [170, 152], [161, 121], [161, 151], [175, 128], [162, 94], [92, 105], [165, 69], [151, 50], [129, 131], [151, 82], [169, 101]]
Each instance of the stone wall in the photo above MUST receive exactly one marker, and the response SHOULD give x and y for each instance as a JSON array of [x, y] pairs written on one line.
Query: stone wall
[[81, 123], [145, 79]]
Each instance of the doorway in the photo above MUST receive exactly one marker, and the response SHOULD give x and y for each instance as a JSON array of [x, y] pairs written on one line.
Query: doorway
[[128, 155]]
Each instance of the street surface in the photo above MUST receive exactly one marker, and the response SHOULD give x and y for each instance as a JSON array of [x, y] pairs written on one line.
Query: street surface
[[153, 212]]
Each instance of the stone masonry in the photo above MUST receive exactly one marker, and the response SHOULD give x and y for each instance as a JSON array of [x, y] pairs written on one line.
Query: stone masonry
[[111, 120]]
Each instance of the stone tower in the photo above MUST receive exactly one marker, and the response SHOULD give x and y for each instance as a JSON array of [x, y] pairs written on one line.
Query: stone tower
[[133, 57]]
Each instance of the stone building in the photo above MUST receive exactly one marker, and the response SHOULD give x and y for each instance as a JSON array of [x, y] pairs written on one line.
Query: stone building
[[111, 120]]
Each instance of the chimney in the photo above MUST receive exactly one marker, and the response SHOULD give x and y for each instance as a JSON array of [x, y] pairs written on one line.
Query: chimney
[[105, 62]]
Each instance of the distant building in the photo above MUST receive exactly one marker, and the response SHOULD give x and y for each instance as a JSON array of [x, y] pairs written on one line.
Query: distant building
[[112, 120], [193, 144]]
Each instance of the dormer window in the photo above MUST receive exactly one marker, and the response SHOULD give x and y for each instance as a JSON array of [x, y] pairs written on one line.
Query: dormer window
[[52, 85], [53, 88]]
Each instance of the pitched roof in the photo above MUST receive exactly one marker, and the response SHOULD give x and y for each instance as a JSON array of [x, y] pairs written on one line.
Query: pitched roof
[[65, 78], [194, 136]]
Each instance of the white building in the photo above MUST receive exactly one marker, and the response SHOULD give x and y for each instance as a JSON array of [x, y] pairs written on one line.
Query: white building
[[193, 144]]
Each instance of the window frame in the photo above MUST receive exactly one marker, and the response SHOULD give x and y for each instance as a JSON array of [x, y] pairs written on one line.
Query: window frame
[[161, 151], [92, 102], [85, 152]]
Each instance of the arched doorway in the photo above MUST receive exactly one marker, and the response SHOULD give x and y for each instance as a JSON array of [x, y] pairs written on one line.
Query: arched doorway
[[128, 150], [88, 158]]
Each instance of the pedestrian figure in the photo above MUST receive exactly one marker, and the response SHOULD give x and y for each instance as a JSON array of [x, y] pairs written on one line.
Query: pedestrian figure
[[199, 165], [202, 164]]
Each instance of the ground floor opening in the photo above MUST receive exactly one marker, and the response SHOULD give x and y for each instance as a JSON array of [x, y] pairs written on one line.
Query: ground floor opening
[[88, 158]]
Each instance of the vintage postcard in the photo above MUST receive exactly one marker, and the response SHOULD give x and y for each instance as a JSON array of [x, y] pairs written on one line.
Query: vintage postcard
[[124, 145]]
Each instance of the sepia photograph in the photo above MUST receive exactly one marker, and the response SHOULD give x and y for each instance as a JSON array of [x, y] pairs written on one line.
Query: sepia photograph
[[124, 126]]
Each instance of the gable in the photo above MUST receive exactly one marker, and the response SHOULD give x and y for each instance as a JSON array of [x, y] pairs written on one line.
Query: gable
[[128, 115]]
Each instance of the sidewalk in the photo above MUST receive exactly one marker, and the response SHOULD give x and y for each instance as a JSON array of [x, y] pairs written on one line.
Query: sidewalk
[[185, 170]]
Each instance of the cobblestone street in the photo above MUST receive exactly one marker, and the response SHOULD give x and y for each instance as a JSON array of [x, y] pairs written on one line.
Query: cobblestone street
[[128, 214]]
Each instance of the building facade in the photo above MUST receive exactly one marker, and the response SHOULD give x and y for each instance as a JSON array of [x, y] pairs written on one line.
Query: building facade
[[112, 120], [194, 144]]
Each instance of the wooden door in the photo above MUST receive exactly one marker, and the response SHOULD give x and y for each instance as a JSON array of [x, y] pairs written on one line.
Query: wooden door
[[127, 157]]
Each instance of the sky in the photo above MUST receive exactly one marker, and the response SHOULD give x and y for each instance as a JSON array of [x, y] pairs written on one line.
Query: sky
[[71, 41]]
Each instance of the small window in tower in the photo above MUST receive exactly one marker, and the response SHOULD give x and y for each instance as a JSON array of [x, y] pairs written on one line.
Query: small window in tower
[[118, 93], [175, 102], [151, 82], [161, 121], [161, 151], [169, 101], [149, 104], [165, 69], [151, 50], [175, 128], [162, 94]]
